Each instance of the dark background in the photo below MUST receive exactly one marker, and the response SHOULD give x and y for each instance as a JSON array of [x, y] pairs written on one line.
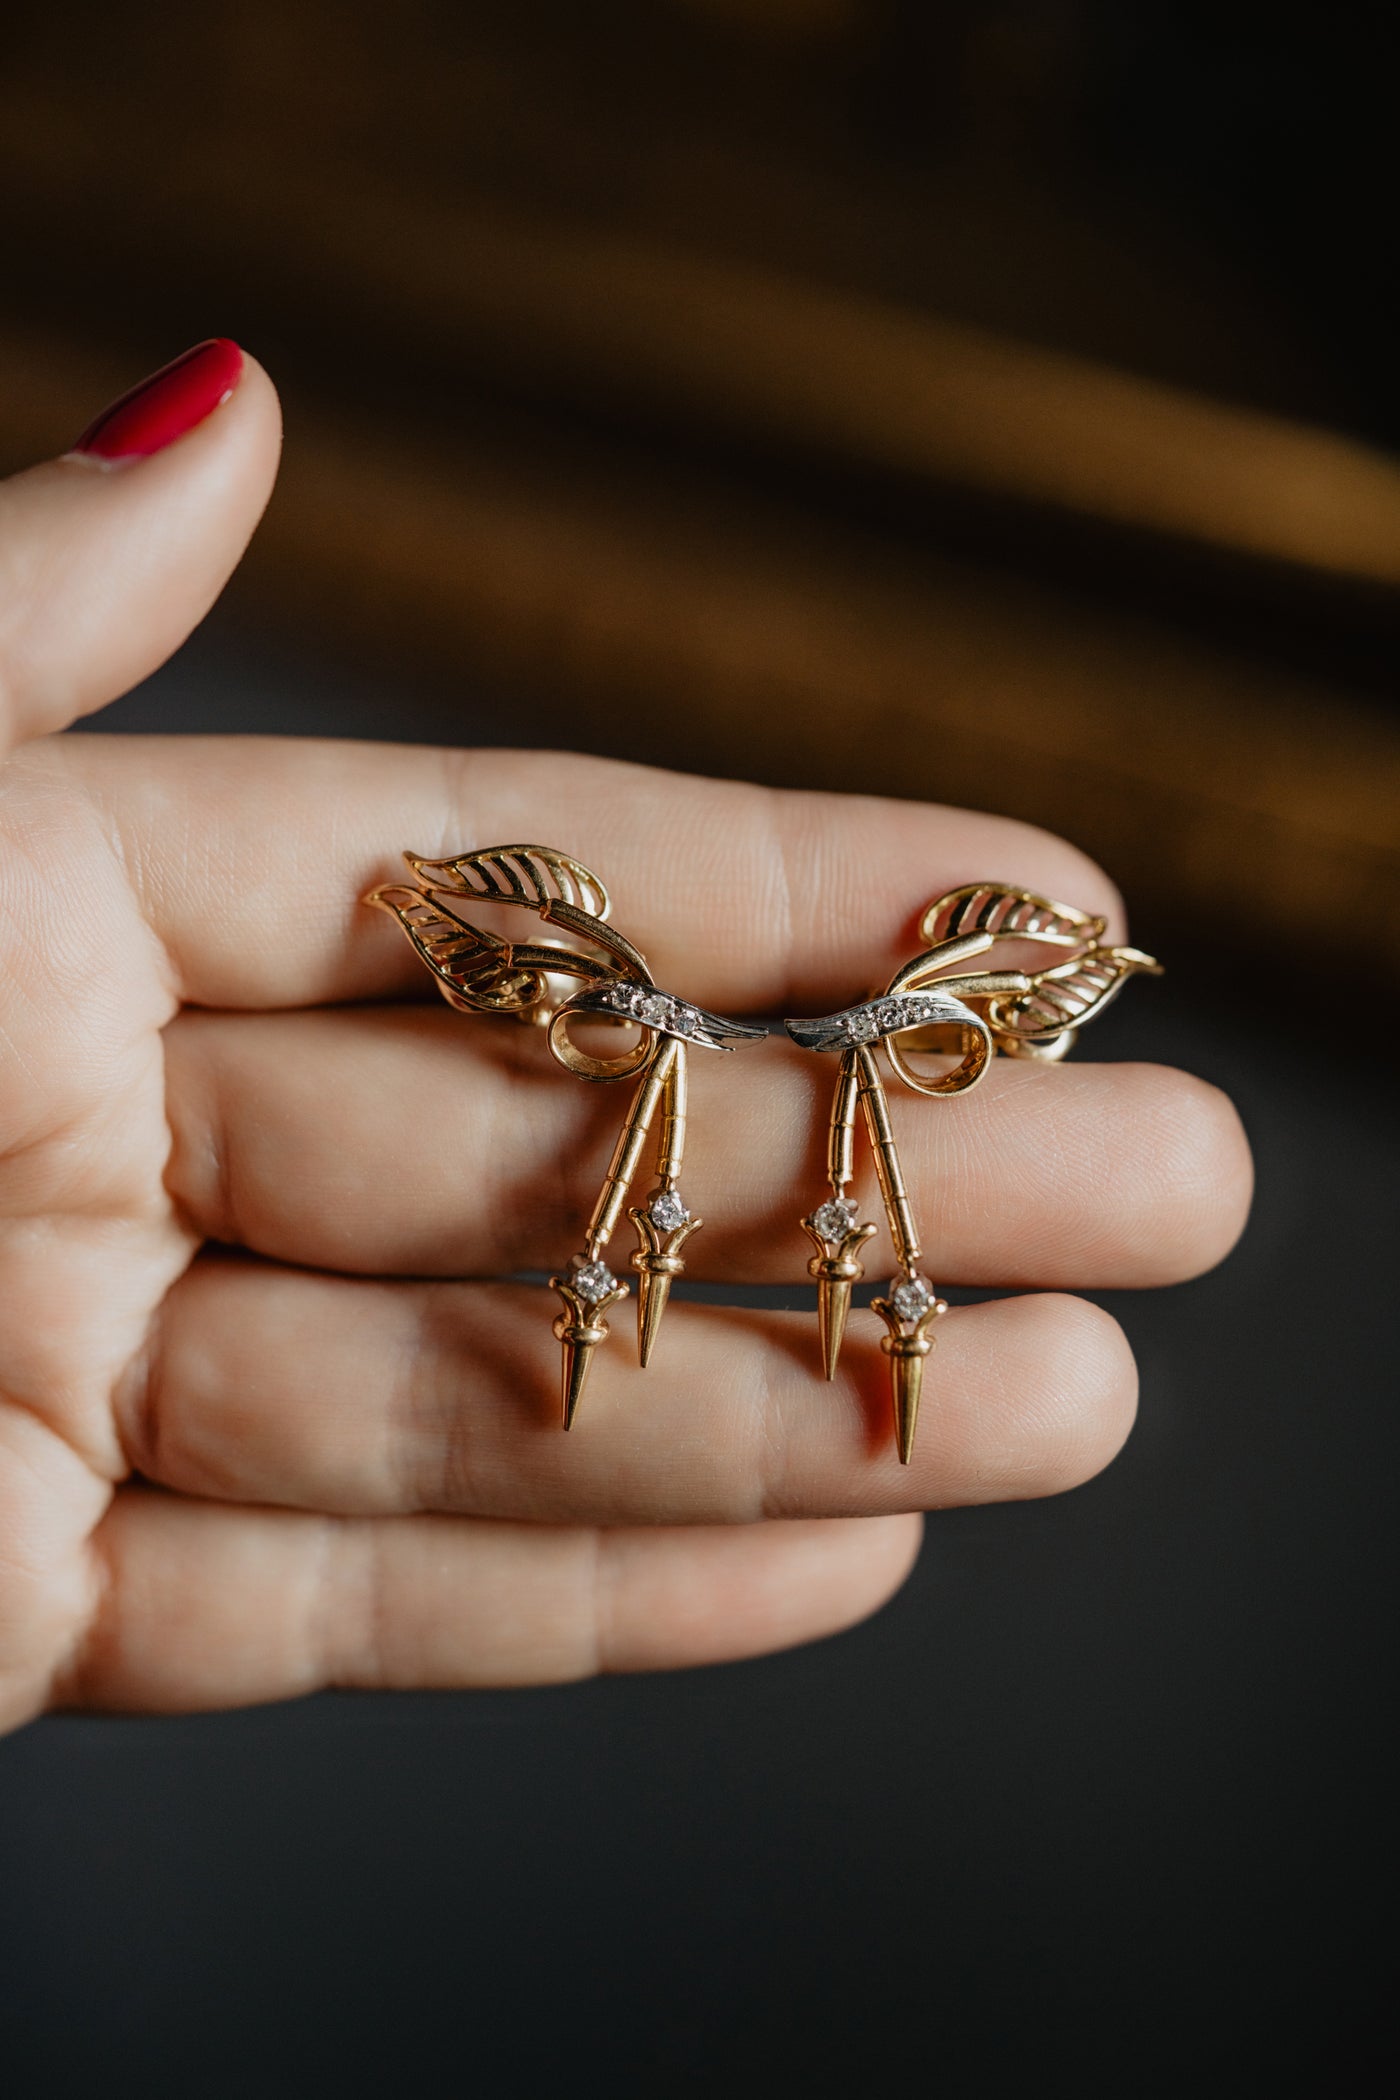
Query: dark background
[[1105, 1795]]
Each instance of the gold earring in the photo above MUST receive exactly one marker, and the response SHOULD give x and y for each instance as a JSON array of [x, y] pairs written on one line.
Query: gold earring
[[1035, 1014], [478, 972]]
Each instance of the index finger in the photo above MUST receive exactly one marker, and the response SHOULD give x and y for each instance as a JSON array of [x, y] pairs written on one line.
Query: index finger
[[249, 857]]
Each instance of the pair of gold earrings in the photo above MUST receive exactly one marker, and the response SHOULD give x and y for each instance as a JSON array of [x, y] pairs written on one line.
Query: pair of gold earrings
[[931, 1004]]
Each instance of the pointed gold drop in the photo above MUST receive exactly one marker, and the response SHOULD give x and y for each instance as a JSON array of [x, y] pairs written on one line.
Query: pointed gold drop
[[653, 1291], [906, 1381], [833, 1304], [835, 1269], [657, 1262], [581, 1326], [577, 1358], [906, 1347]]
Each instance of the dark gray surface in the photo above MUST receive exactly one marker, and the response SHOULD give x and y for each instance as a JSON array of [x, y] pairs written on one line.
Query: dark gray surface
[[1103, 1797]]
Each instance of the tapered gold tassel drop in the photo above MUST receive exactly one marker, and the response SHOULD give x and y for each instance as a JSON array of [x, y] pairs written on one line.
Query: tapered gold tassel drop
[[478, 972], [931, 1005]]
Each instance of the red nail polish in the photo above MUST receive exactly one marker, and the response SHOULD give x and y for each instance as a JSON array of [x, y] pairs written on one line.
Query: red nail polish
[[163, 407]]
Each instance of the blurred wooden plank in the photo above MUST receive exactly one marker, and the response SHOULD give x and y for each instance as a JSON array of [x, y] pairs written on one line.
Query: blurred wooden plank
[[594, 315], [872, 156], [693, 629]]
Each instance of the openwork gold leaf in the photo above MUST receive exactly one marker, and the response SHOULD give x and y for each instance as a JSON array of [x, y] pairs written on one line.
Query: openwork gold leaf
[[1068, 995], [532, 876], [1008, 914], [478, 970], [473, 968]]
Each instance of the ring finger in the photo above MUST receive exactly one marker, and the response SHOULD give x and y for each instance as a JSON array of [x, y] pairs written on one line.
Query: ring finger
[[280, 1386]]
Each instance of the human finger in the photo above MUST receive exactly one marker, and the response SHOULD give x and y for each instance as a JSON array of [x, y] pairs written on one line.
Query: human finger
[[251, 856], [411, 1141], [279, 1386], [209, 1605], [112, 553]]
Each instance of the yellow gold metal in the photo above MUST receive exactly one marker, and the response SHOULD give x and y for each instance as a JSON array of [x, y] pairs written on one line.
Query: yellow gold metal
[[580, 1328], [657, 1260], [581, 1063], [887, 1167], [631, 1139], [835, 1269], [670, 1150], [906, 1347], [930, 1005], [478, 971], [841, 1144]]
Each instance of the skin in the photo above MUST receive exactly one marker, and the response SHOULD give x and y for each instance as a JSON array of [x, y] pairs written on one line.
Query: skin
[[226, 1479]]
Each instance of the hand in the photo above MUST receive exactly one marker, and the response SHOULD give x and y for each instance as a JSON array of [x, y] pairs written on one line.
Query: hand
[[226, 1478]]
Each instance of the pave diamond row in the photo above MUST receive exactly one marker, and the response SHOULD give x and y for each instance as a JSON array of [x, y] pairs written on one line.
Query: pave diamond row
[[888, 1016], [654, 1009]]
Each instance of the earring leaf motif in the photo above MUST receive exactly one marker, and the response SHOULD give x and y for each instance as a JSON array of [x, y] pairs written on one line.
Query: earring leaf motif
[[478, 971], [533, 876], [1017, 1012]]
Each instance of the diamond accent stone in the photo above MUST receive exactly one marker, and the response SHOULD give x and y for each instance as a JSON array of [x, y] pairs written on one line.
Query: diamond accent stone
[[911, 1297], [593, 1280], [834, 1220], [652, 1008], [861, 1028], [667, 1211]]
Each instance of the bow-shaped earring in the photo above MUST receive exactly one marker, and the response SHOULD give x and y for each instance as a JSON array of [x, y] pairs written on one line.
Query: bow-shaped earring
[[478, 972], [924, 1008]]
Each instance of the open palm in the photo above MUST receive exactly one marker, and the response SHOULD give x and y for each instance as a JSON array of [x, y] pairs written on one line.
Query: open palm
[[257, 1435]]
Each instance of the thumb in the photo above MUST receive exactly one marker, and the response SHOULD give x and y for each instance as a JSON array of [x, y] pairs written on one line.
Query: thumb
[[110, 555]]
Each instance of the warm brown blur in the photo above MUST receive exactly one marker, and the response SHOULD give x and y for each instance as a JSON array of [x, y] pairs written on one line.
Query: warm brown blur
[[794, 389]]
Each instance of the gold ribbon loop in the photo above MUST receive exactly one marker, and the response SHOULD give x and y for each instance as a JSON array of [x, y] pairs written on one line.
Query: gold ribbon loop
[[567, 1052], [974, 1041]]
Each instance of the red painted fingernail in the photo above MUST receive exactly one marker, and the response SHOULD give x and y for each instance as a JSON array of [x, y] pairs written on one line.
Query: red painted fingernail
[[166, 405]]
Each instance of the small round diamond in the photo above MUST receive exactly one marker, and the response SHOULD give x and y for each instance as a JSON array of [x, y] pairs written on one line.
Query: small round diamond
[[593, 1280], [652, 1009], [890, 1013], [911, 1298], [861, 1028], [834, 1219], [667, 1211]]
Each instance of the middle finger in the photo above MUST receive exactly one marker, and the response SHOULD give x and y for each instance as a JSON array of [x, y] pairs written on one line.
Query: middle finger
[[402, 1141]]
